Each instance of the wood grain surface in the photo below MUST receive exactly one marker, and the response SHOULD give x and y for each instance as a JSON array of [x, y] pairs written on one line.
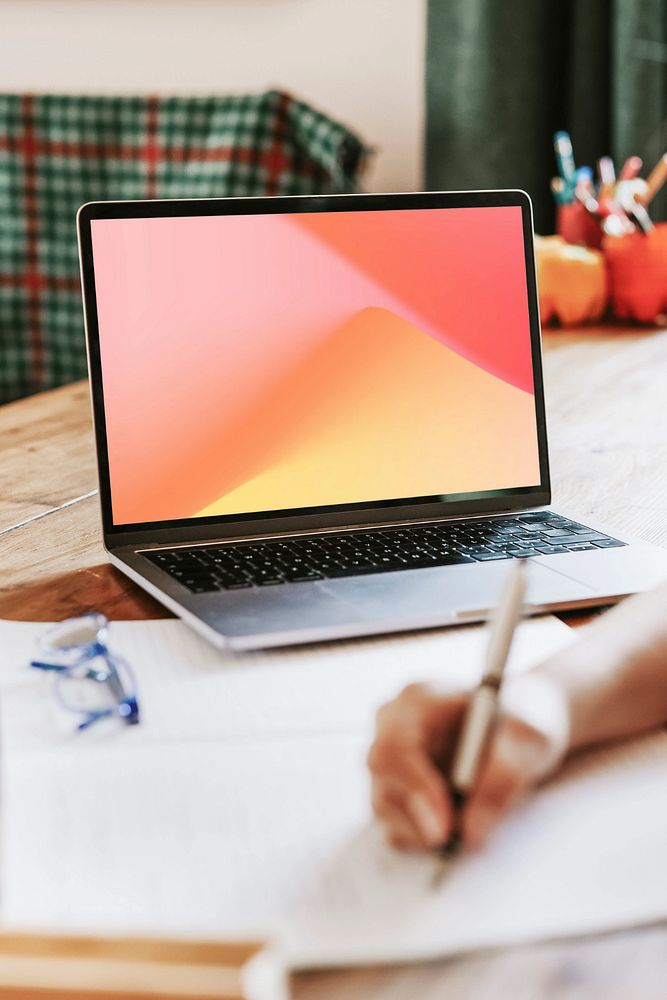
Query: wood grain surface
[[47, 456], [607, 424]]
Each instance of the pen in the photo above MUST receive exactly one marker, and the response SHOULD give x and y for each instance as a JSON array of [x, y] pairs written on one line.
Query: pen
[[641, 217], [559, 191], [607, 176], [630, 168], [584, 191], [630, 193], [482, 708]]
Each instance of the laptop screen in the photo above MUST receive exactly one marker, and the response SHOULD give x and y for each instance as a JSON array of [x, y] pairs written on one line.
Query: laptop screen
[[298, 362]]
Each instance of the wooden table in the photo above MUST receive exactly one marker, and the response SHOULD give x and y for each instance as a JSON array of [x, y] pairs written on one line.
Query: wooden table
[[608, 435]]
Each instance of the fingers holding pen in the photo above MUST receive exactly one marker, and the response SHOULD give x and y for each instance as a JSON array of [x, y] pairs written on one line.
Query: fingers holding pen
[[410, 820], [411, 756], [410, 796], [412, 807]]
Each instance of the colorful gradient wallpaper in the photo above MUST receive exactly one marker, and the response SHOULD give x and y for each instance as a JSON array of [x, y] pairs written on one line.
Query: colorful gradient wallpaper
[[270, 362]]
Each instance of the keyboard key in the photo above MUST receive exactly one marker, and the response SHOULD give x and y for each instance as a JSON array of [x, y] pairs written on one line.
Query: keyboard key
[[455, 560], [300, 576], [337, 571], [608, 543], [565, 538]]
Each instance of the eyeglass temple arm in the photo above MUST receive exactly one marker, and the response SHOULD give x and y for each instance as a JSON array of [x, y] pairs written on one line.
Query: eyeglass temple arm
[[43, 665]]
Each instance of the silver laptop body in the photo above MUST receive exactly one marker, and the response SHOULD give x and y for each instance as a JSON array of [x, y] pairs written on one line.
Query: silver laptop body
[[418, 368]]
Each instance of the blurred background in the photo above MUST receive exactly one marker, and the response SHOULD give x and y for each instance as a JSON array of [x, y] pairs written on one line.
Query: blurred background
[[451, 93], [501, 78], [380, 95]]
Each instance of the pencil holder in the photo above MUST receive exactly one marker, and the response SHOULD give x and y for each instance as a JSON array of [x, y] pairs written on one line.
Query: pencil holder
[[576, 225], [571, 281], [637, 265]]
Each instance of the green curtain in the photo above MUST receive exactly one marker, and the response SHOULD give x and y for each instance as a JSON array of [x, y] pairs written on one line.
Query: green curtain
[[504, 75]]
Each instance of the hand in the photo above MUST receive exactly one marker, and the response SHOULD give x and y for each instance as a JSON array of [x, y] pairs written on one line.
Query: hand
[[415, 739]]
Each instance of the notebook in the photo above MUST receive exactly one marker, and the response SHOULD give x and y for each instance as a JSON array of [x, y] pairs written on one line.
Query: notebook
[[240, 808]]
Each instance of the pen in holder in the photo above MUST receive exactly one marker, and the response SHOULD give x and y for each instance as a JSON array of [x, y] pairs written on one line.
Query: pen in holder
[[612, 216]]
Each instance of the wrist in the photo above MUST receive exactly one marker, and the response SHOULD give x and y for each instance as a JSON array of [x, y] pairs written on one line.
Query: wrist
[[586, 675], [541, 702]]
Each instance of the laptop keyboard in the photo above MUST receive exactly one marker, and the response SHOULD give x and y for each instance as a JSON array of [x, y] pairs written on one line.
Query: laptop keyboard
[[239, 565]]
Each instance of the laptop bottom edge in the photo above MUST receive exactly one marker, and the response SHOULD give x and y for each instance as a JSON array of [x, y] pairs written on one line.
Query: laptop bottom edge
[[358, 606]]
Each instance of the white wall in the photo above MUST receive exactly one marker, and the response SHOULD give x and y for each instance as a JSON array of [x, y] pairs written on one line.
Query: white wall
[[361, 61]]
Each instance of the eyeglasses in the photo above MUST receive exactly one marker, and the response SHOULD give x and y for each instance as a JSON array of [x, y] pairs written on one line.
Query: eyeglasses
[[91, 681]]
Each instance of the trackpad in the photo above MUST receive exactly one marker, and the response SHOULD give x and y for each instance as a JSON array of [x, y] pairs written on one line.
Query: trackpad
[[448, 592]]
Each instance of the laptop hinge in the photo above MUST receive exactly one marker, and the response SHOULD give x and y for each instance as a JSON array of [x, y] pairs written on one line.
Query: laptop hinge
[[334, 530]]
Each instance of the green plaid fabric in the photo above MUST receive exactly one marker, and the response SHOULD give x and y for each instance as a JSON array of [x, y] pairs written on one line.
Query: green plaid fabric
[[57, 152]]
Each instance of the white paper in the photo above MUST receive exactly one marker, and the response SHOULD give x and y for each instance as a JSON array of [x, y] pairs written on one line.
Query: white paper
[[240, 806], [190, 690], [586, 854], [275, 837], [199, 839]]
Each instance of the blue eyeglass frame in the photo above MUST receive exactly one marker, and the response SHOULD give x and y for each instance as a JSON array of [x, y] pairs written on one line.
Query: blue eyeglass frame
[[78, 654]]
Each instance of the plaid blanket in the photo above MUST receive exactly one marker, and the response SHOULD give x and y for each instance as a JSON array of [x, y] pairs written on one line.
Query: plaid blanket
[[57, 152]]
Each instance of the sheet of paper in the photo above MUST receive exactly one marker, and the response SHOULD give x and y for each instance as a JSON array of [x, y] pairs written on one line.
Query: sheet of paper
[[586, 854], [190, 690], [240, 806], [199, 839], [275, 836]]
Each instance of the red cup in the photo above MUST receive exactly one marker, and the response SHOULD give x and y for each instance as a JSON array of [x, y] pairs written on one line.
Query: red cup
[[576, 225], [637, 266]]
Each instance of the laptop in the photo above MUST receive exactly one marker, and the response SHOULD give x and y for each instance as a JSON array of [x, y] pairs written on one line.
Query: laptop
[[323, 417]]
